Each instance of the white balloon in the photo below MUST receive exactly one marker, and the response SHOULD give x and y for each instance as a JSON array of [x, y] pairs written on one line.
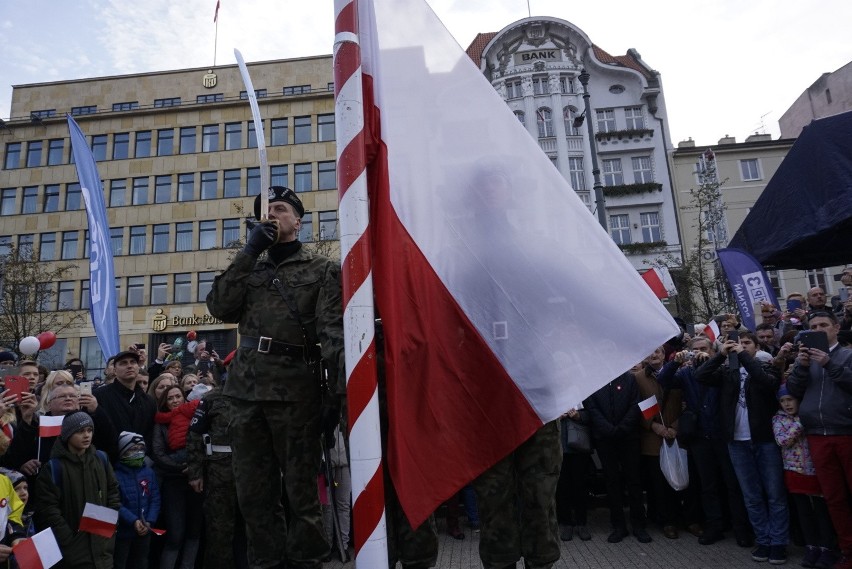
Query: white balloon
[[29, 345], [190, 347]]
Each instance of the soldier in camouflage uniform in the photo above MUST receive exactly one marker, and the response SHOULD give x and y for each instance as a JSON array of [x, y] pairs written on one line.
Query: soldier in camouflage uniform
[[517, 504], [210, 471], [287, 303]]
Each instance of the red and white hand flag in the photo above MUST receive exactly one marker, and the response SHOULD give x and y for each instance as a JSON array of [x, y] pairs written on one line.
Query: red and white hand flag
[[712, 331], [50, 426], [99, 520], [649, 407], [38, 552], [660, 281]]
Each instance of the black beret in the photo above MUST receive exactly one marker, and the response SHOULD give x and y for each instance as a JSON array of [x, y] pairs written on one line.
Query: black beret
[[280, 194]]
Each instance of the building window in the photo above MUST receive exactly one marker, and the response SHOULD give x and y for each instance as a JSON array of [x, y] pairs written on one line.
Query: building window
[[306, 231], [69, 245], [816, 277], [252, 136], [635, 119], [5, 244], [302, 177], [325, 128], [232, 183], [159, 289], [209, 185], [143, 144], [279, 132], [7, 201], [619, 228], [99, 147], [775, 281], [165, 142], [30, 202], [650, 222], [73, 197], [569, 114], [253, 181], [301, 130], [186, 187], [13, 156], [120, 145], [140, 191], [65, 296], [750, 170], [137, 240], [539, 85], [87, 110], [522, 117], [117, 193], [642, 173], [612, 175], [162, 189], [85, 297], [278, 176], [206, 235], [211, 98], [233, 135], [230, 233], [160, 238], [129, 106], [86, 244], [606, 120], [54, 151], [297, 89], [183, 288], [135, 291], [43, 114], [34, 153], [326, 176], [577, 174], [544, 119], [258, 94], [51, 198], [187, 140], [566, 85], [25, 243], [45, 292], [330, 86], [116, 238], [47, 247], [513, 89], [183, 236], [169, 102], [210, 138], [327, 225], [205, 284]]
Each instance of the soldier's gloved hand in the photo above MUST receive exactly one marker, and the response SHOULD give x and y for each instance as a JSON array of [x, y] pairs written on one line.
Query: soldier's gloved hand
[[329, 419], [261, 238]]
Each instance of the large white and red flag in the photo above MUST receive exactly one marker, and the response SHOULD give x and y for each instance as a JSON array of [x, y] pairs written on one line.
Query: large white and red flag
[[38, 552], [99, 520], [504, 303]]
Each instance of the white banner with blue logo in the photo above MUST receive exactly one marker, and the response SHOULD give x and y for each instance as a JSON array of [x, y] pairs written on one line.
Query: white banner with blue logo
[[749, 283], [104, 308]]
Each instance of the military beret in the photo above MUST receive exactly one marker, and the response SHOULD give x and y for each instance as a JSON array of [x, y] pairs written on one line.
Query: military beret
[[280, 194]]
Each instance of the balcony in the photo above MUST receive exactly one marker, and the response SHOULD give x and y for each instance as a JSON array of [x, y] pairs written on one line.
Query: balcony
[[623, 190], [625, 139], [642, 248], [547, 144]]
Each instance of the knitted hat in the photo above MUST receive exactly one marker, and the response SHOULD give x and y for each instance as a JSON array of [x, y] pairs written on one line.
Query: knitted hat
[[127, 440], [8, 357], [782, 391], [73, 423], [13, 475]]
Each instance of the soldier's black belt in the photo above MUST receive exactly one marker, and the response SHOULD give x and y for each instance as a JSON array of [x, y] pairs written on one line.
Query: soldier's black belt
[[266, 345]]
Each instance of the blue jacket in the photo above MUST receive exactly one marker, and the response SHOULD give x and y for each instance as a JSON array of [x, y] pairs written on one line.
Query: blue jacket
[[140, 498], [703, 399]]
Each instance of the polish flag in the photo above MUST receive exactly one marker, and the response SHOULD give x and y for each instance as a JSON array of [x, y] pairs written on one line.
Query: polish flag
[[50, 426], [712, 330], [649, 407], [38, 552], [495, 284], [660, 281], [99, 520], [156, 531]]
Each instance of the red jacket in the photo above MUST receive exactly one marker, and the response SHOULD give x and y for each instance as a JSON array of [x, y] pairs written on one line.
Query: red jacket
[[178, 420]]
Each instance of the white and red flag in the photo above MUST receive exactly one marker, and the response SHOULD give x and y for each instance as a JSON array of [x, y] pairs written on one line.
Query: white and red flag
[[649, 407], [99, 520], [50, 426], [38, 552], [712, 330], [504, 303], [660, 281]]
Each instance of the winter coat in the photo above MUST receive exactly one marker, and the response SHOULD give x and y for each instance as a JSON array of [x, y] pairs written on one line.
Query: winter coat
[[789, 435], [140, 498], [178, 420], [826, 394], [670, 404], [614, 409]]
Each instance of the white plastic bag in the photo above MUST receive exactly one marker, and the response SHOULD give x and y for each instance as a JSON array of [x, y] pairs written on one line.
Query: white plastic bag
[[674, 465]]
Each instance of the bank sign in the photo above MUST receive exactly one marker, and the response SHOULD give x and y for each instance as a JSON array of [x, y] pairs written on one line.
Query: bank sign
[[546, 55]]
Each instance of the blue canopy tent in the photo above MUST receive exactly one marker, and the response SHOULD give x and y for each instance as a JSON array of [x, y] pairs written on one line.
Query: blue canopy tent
[[803, 219]]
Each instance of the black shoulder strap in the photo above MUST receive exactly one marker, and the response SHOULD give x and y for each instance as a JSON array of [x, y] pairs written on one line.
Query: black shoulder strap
[[290, 301]]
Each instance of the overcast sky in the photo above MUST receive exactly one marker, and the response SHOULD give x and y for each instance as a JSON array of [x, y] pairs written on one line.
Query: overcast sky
[[728, 67]]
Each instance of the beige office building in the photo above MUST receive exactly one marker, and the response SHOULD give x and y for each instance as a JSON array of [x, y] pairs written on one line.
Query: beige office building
[[177, 155]]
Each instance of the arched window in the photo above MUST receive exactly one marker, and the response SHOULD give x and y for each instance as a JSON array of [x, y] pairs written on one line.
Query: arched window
[[521, 117], [545, 122], [570, 113]]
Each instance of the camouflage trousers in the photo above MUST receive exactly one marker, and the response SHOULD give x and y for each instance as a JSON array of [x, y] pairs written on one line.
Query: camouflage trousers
[[517, 504], [271, 440], [221, 515], [414, 548]]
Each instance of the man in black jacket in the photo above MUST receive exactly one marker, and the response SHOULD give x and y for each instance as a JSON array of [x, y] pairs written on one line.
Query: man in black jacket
[[128, 406]]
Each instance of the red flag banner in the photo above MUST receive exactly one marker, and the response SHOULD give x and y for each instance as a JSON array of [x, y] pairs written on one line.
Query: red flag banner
[[649, 407], [99, 520]]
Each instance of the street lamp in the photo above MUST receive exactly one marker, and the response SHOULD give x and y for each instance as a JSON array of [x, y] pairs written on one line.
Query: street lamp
[[600, 203]]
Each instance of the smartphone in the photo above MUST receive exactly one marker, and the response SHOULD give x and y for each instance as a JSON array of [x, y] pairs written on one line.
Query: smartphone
[[734, 336], [793, 304], [140, 346], [86, 387], [75, 369], [209, 348], [205, 366], [18, 385], [844, 294], [815, 339]]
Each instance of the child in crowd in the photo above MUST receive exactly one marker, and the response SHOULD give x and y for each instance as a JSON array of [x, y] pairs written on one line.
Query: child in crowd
[[802, 484], [22, 489], [140, 503], [11, 526], [77, 474], [178, 418]]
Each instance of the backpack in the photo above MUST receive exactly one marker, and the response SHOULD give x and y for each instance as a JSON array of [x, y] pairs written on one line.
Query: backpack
[[56, 468]]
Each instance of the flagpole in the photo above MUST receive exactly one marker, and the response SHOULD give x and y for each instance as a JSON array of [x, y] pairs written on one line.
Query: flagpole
[[358, 312]]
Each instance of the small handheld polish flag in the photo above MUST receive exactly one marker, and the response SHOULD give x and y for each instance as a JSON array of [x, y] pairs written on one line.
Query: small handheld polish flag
[[712, 331], [99, 520], [50, 426], [649, 407], [38, 552]]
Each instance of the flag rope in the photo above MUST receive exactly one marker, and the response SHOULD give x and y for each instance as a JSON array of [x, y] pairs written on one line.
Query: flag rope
[[358, 312]]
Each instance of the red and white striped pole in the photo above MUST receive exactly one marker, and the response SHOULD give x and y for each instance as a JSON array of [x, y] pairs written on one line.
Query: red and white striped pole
[[358, 313]]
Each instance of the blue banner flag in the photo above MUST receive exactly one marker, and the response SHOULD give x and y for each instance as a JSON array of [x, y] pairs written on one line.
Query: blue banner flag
[[749, 283], [104, 309]]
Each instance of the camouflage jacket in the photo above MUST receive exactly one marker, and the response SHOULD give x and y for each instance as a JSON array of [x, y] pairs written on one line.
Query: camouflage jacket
[[244, 294], [211, 417]]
